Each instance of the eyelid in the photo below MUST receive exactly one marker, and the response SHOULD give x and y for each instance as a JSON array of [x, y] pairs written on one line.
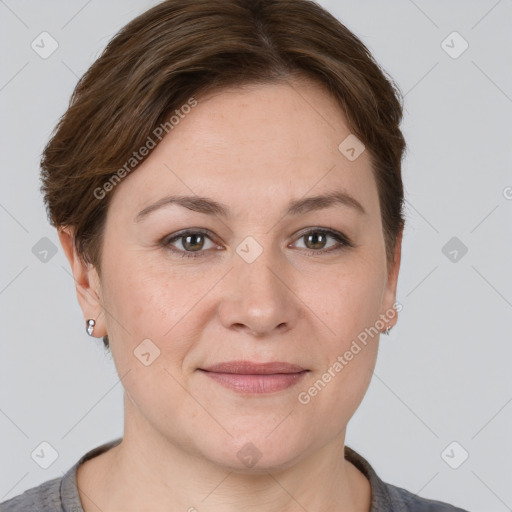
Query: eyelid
[[343, 241], [168, 240], [325, 230]]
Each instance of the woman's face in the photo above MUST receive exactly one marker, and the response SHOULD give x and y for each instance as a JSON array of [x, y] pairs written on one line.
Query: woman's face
[[258, 281]]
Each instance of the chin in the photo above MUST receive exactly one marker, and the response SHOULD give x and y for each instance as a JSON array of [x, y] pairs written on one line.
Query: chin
[[257, 453]]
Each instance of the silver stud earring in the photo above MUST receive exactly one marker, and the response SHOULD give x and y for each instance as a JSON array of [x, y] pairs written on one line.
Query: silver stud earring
[[89, 326], [386, 331]]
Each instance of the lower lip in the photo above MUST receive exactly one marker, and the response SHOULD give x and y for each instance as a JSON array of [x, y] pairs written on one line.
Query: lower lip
[[256, 383]]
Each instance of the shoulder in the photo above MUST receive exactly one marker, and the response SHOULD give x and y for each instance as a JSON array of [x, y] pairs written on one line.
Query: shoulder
[[403, 500], [44, 497], [391, 498], [57, 495]]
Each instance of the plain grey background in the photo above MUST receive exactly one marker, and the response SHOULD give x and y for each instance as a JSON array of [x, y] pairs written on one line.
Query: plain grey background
[[442, 388]]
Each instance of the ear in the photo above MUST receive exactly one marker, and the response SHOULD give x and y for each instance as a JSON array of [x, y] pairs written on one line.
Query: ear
[[87, 282], [390, 293]]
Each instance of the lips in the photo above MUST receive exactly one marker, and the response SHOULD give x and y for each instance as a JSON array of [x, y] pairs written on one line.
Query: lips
[[251, 378], [253, 368]]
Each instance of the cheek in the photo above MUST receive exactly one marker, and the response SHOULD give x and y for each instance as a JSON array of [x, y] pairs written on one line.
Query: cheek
[[148, 298], [352, 300], [143, 306], [338, 387], [144, 294]]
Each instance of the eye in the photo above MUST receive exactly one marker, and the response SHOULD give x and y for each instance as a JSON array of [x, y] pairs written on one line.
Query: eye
[[316, 240], [191, 241]]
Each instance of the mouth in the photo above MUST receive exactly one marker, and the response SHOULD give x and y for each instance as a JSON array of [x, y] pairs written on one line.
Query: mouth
[[251, 377]]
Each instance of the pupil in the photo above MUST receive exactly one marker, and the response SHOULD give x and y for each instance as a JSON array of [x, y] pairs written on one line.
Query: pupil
[[318, 245], [186, 243]]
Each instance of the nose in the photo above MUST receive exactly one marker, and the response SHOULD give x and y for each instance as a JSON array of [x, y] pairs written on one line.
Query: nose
[[258, 296]]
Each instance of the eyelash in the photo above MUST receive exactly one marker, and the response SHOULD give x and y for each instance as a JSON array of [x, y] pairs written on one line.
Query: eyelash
[[339, 237]]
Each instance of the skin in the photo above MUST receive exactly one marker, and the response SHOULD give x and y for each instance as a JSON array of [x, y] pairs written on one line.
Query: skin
[[253, 149]]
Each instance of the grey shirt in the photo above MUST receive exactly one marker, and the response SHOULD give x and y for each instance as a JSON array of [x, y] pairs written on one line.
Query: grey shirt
[[61, 494]]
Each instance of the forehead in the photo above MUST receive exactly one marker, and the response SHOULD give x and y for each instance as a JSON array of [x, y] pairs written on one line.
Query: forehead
[[253, 146]]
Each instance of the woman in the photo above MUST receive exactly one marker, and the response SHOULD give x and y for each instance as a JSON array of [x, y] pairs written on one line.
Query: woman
[[226, 185]]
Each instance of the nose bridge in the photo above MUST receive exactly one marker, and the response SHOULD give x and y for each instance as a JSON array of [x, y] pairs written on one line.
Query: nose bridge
[[259, 297], [259, 276]]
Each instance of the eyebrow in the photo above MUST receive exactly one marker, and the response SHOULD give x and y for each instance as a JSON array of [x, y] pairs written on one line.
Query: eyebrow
[[296, 207]]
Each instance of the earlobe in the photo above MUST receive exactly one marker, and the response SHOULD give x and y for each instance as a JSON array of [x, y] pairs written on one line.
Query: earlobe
[[86, 281]]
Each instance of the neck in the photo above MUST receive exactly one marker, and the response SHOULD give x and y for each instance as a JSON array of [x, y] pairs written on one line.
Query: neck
[[147, 472]]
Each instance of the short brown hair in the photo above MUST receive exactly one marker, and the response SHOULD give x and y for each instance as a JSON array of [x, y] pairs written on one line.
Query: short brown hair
[[181, 48]]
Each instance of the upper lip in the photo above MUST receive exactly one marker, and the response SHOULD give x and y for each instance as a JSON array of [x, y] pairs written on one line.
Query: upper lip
[[253, 368]]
